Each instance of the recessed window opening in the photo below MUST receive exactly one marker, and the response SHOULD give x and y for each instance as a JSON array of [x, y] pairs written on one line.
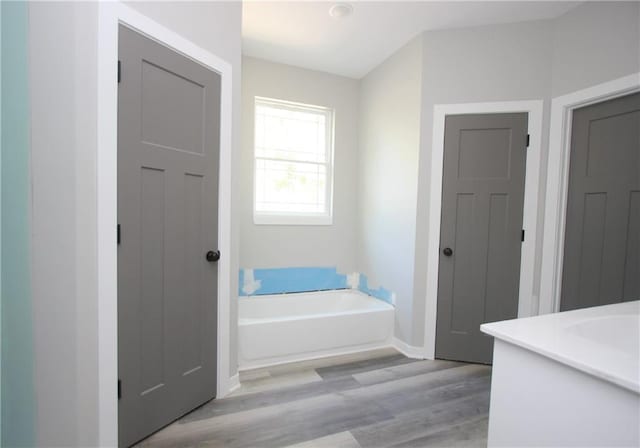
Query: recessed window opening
[[293, 177]]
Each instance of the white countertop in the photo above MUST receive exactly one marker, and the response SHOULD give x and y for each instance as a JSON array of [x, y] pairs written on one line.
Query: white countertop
[[602, 341]]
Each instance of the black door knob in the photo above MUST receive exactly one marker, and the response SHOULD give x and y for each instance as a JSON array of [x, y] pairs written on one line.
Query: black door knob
[[213, 256], [447, 251]]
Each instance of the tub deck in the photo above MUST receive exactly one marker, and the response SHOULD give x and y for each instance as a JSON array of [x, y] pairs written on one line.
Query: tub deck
[[374, 399]]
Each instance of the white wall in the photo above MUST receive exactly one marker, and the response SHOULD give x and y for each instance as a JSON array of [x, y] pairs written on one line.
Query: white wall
[[390, 111], [274, 246], [493, 63], [594, 43], [63, 73], [63, 198], [85, 84]]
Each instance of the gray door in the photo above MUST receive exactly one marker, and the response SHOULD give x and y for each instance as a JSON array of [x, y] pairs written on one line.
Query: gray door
[[602, 236], [168, 145], [481, 230]]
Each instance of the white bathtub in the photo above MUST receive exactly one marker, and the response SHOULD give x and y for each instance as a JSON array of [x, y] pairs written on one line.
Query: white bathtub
[[292, 327]]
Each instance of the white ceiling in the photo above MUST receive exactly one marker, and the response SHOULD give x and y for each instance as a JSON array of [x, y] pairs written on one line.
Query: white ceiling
[[303, 34]]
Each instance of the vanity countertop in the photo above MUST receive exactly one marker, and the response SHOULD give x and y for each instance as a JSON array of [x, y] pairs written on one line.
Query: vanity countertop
[[602, 341]]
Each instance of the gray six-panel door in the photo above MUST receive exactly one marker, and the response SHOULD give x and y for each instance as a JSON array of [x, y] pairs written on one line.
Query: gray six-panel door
[[481, 230], [168, 145], [602, 236]]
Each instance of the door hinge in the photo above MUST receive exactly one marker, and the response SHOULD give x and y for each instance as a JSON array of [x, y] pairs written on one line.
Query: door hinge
[[119, 389], [522, 237], [119, 71], [118, 237], [528, 140]]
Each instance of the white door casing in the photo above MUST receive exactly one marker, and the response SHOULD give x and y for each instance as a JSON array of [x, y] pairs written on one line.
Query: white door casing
[[527, 302], [110, 15], [558, 180]]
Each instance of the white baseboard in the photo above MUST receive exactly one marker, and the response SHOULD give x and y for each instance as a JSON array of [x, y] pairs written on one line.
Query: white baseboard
[[269, 362], [228, 385], [410, 351], [234, 383], [407, 350]]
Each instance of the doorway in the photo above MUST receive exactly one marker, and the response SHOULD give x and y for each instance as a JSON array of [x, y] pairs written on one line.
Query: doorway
[[481, 230], [168, 156], [602, 234]]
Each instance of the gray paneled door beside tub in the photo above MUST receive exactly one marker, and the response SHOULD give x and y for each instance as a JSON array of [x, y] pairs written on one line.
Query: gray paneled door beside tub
[[168, 146], [481, 230], [602, 236]]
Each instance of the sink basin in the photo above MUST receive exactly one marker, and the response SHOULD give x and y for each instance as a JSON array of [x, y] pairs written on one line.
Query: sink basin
[[616, 332]]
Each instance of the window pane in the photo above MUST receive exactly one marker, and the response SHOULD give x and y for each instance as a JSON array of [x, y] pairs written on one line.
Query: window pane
[[290, 134], [290, 187]]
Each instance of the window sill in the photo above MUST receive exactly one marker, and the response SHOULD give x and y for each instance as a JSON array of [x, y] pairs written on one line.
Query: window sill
[[292, 220]]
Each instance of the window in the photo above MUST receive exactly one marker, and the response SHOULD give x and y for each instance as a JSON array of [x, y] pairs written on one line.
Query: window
[[293, 181]]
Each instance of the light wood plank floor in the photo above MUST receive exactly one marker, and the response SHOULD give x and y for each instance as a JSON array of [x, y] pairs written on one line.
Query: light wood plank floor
[[373, 399]]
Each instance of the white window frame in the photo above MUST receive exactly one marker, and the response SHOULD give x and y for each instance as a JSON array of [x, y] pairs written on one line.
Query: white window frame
[[298, 218]]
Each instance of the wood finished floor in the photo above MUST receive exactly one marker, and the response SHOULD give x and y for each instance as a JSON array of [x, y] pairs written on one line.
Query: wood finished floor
[[376, 399]]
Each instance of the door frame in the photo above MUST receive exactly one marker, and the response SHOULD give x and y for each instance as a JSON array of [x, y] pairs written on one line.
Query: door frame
[[562, 108], [110, 16], [527, 302]]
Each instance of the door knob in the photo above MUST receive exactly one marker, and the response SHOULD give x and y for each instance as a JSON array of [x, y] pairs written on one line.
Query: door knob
[[213, 256], [447, 251]]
